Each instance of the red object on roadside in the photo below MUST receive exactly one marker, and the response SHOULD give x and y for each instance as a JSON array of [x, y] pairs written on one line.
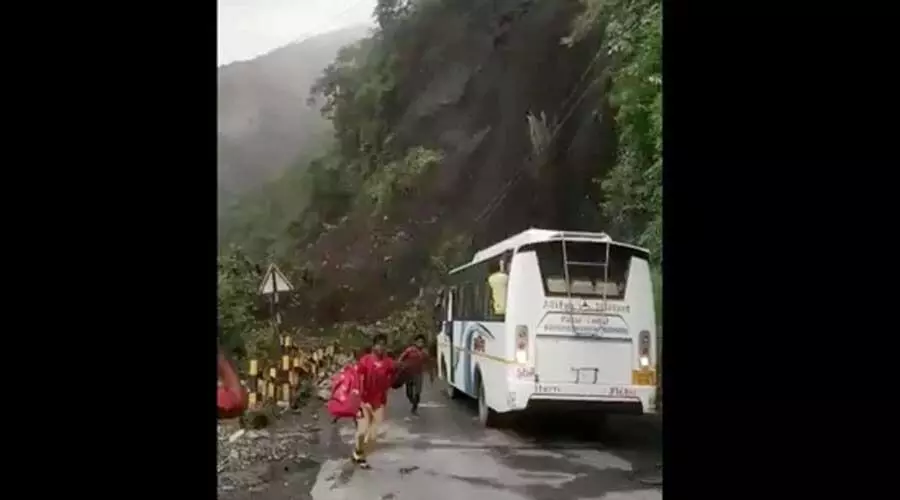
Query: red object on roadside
[[231, 397], [230, 403], [345, 398]]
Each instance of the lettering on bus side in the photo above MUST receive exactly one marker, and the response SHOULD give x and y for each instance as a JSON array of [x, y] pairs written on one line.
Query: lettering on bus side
[[583, 324], [622, 392], [599, 306]]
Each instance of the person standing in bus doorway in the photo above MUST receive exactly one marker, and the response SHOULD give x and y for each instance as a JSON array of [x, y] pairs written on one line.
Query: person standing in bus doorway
[[377, 371], [498, 281], [414, 359]]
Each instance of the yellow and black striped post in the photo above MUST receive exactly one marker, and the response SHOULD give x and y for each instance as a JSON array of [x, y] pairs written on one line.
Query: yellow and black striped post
[[253, 385], [261, 385], [285, 369], [290, 354], [296, 367], [271, 383]]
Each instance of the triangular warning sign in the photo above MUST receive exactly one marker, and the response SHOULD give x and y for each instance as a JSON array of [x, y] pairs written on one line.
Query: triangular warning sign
[[274, 281]]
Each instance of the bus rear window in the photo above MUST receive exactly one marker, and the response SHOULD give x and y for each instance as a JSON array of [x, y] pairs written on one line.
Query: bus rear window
[[590, 274]]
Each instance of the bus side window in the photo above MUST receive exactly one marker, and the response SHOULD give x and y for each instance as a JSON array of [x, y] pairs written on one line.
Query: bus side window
[[456, 293], [618, 267], [487, 301], [468, 301], [477, 302], [463, 297]]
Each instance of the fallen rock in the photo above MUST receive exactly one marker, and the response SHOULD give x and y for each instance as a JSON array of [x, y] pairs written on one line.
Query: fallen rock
[[236, 435], [256, 434]]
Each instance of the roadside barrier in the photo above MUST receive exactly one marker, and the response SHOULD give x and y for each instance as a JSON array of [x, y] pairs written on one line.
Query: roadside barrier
[[278, 380]]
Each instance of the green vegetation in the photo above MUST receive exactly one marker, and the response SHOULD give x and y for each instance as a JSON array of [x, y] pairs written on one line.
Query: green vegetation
[[632, 190], [236, 302], [366, 171], [398, 178]]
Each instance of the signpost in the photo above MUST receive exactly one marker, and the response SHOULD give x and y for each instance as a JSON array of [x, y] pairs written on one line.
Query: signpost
[[273, 283]]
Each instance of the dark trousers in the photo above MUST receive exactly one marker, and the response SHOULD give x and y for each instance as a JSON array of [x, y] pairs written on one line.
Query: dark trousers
[[414, 390]]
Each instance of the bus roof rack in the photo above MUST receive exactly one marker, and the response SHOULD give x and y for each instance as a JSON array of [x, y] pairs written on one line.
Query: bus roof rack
[[582, 234], [537, 235]]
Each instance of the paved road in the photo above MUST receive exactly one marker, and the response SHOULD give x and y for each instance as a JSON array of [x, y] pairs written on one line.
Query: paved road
[[445, 455]]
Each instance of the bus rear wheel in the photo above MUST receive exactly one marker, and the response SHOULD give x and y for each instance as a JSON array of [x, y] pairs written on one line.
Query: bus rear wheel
[[486, 416]]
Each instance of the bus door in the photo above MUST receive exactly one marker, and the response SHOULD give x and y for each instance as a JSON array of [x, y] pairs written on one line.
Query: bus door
[[448, 331]]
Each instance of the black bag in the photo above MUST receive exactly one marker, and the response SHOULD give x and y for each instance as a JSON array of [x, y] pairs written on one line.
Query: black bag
[[401, 376]]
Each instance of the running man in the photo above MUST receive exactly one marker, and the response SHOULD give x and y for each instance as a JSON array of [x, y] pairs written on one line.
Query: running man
[[414, 359], [377, 371]]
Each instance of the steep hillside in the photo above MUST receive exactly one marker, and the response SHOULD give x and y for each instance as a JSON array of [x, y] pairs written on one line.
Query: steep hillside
[[263, 119], [461, 122]]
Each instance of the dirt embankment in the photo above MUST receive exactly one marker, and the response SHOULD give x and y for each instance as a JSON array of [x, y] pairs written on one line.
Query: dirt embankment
[[483, 67]]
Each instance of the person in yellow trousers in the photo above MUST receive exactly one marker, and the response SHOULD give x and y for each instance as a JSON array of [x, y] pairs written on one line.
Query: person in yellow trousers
[[377, 371]]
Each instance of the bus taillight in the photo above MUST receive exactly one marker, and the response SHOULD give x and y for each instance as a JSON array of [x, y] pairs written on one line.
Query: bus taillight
[[644, 342], [521, 344]]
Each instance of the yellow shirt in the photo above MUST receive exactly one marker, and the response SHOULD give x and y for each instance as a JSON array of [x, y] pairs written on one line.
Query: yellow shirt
[[498, 283]]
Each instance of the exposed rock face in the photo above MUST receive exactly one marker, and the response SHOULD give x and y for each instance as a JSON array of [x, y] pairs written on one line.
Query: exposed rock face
[[481, 69]]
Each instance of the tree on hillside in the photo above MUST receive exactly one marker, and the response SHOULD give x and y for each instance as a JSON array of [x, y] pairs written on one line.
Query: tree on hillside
[[237, 282], [633, 188]]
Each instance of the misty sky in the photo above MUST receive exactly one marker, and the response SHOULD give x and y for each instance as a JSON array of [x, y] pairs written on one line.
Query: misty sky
[[248, 28]]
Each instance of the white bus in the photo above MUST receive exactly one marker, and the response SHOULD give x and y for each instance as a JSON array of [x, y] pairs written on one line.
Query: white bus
[[551, 320]]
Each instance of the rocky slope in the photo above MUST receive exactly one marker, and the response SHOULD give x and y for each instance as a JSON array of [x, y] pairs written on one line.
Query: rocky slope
[[473, 72]]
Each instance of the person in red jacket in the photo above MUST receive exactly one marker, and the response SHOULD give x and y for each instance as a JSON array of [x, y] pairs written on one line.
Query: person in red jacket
[[377, 371], [231, 397], [414, 359]]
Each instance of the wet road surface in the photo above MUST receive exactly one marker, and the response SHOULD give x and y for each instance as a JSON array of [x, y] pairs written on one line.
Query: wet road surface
[[444, 455]]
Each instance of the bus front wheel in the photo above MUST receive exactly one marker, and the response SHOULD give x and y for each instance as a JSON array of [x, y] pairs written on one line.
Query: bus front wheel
[[449, 390]]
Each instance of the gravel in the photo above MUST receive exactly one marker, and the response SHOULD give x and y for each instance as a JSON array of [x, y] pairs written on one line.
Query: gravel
[[290, 449]]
